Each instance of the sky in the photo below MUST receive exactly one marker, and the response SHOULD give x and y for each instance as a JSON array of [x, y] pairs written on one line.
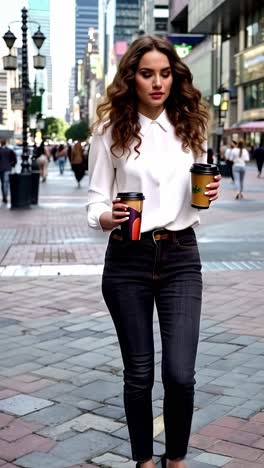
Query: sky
[[62, 51], [62, 44]]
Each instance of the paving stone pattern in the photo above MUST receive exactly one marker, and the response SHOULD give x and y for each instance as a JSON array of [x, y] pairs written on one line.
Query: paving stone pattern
[[61, 376], [61, 402], [40, 254]]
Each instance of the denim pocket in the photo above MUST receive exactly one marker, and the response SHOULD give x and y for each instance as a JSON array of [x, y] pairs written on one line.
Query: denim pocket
[[187, 242]]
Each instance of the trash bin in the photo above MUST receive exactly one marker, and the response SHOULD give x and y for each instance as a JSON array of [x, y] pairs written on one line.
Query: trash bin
[[20, 190]]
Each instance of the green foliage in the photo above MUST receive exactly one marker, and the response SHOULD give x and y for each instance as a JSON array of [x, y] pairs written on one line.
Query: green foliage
[[196, 189], [55, 128], [78, 131]]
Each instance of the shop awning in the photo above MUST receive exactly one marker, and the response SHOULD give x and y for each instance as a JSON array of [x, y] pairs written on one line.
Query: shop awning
[[246, 127]]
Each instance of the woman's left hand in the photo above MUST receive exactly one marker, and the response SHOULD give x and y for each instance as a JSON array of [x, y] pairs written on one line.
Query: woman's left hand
[[212, 191]]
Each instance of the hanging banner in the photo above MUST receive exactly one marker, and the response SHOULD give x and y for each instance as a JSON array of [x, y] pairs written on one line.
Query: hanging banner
[[17, 101]]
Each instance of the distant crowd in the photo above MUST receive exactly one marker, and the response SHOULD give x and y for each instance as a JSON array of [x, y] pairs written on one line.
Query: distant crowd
[[77, 154], [236, 155]]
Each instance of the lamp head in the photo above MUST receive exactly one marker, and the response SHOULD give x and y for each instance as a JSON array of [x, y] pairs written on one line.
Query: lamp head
[[9, 39], [38, 38], [217, 99]]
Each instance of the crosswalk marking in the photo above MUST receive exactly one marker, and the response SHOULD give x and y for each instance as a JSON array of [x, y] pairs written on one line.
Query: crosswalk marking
[[87, 270]]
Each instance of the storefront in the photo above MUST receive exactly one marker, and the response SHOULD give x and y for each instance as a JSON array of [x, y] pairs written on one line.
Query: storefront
[[250, 76], [251, 132]]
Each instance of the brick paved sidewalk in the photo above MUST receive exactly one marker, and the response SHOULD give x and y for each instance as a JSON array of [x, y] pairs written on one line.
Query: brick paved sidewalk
[[60, 365], [61, 376]]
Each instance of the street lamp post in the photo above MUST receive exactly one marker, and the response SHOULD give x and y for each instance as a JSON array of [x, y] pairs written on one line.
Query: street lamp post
[[21, 184], [220, 101]]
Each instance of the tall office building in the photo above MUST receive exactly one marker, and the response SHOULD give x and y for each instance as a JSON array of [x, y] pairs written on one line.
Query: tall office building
[[127, 20], [39, 11], [86, 16], [71, 96]]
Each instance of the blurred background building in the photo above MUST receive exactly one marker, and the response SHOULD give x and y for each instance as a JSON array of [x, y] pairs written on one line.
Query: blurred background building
[[39, 11], [228, 65], [86, 16], [222, 42]]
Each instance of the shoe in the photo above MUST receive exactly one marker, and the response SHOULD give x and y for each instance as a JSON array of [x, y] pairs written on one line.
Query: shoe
[[241, 195], [4, 200], [138, 463], [163, 461], [237, 196]]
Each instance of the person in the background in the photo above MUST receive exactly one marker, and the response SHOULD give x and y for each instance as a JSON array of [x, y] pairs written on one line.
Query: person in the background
[[210, 156], [61, 155], [223, 148], [8, 160], [78, 162], [239, 156], [53, 152], [43, 157], [259, 157], [229, 162], [69, 150]]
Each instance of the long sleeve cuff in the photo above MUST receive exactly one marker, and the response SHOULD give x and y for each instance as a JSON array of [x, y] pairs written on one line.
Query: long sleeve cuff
[[94, 212]]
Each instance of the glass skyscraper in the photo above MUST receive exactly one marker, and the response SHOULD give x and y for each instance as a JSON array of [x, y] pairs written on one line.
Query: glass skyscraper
[[86, 14], [39, 11]]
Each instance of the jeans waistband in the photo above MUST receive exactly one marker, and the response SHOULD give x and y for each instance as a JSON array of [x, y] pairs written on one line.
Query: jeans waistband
[[165, 234], [158, 234]]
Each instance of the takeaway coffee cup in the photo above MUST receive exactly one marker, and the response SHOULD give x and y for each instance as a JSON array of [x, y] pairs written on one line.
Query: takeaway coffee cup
[[131, 228], [201, 175]]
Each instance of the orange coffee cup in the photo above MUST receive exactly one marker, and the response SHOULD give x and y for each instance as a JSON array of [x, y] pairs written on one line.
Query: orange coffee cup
[[132, 227], [202, 175]]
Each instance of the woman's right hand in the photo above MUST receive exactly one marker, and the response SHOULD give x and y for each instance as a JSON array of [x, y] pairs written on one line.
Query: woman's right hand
[[119, 212], [118, 216]]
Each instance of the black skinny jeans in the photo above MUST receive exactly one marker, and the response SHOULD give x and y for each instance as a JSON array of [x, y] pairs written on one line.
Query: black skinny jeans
[[136, 274]]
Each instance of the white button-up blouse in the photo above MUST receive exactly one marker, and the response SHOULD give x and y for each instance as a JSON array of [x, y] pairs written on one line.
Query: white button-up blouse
[[161, 172]]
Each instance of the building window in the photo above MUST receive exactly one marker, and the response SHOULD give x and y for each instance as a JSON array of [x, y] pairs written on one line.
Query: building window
[[255, 28], [254, 96]]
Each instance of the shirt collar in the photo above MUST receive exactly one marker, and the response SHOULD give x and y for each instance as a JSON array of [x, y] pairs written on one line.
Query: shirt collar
[[162, 121]]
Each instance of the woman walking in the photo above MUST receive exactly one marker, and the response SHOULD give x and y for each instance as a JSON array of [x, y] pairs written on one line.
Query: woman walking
[[43, 157], [152, 127], [78, 162], [61, 155], [239, 156]]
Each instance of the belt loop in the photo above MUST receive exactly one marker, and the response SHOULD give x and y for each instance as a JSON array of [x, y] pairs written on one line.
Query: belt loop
[[153, 236]]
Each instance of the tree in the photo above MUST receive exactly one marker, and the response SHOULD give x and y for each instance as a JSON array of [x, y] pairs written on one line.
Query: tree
[[55, 128], [78, 131]]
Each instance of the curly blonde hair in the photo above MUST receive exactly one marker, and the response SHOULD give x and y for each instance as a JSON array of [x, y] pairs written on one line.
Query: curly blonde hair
[[185, 108]]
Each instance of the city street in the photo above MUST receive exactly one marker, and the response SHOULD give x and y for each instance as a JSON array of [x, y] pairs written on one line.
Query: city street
[[60, 366]]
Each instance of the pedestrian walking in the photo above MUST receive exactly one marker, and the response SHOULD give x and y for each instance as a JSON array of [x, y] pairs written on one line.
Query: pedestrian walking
[[78, 162], [53, 152], [210, 156], [151, 128], [259, 157], [8, 160], [61, 155], [43, 157], [239, 156], [229, 162]]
